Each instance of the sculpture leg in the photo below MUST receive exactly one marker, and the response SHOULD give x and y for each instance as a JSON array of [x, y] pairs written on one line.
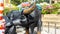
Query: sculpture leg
[[39, 27], [27, 30], [32, 30]]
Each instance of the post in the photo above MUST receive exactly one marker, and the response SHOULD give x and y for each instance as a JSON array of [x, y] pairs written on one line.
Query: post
[[2, 21], [50, 1], [48, 27], [27, 30], [55, 28]]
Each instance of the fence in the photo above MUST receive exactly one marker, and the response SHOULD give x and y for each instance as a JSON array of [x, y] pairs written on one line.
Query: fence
[[51, 23]]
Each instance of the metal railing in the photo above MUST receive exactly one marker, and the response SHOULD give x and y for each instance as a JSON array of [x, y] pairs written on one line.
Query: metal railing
[[48, 28]]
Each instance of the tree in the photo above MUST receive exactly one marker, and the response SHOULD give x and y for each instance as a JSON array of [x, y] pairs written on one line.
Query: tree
[[17, 2]]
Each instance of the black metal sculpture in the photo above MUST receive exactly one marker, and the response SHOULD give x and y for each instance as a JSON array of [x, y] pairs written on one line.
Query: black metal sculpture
[[17, 18]]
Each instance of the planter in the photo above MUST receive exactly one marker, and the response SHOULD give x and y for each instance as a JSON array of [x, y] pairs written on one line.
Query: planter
[[52, 19]]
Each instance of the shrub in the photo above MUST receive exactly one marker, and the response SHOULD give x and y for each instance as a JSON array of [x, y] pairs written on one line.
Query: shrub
[[51, 9], [7, 10]]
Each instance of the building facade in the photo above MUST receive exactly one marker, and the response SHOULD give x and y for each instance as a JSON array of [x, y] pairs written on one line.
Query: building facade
[[6, 2]]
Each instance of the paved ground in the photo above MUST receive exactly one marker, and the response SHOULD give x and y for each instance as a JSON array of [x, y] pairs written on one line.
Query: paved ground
[[44, 31], [51, 31]]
